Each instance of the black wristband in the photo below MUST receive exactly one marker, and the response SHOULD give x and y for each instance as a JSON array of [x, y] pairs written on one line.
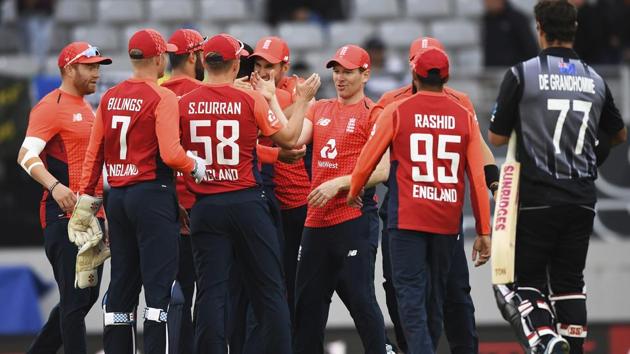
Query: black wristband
[[492, 176], [52, 187]]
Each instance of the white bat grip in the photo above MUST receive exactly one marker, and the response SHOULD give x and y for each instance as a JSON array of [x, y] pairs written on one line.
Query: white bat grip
[[511, 150]]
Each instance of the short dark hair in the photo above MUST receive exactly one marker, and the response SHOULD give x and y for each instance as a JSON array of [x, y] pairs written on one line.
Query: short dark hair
[[217, 66], [557, 19], [247, 63], [176, 60], [433, 78]]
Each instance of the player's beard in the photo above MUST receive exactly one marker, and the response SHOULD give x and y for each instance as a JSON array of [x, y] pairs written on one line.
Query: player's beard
[[83, 85], [199, 71]]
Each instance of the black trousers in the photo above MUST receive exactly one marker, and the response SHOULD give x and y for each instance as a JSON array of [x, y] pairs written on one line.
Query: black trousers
[[186, 278], [337, 258], [421, 264], [144, 241], [243, 328], [293, 226], [551, 248], [65, 327], [238, 227]]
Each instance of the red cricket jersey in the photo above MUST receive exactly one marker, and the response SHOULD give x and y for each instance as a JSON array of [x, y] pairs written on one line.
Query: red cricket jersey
[[181, 85], [266, 153], [433, 140], [292, 180], [339, 134], [407, 91], [64, 122], [221, 123], [136, 135], [288, 83]]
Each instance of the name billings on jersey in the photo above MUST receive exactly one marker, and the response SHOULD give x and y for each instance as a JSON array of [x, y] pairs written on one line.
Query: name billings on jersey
[[571, 83], [448, 195], [434, 121], [122, 169], [209, 107], [124, 104], [221, 174]]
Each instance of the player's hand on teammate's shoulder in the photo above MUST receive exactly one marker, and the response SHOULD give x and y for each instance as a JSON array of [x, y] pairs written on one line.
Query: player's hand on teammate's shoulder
[[324, 192], [292, 155], [267, 88], [65, 197], [243, 83], [481, 250], [307, 89]]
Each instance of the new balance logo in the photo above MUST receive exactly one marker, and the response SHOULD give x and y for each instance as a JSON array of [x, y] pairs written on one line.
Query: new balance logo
[[329, 151], [352, 253], [266, 44], [323, 121], [77, 117], [343, 51]]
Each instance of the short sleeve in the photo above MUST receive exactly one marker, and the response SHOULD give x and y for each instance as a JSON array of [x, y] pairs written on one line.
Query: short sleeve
[[310, 113], [265, 119], [505, 111], [610, 121], [43, 122]]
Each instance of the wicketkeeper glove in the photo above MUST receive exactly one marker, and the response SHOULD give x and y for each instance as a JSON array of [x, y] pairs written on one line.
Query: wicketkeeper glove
[[199, 172], [88, 261], [83, 225]]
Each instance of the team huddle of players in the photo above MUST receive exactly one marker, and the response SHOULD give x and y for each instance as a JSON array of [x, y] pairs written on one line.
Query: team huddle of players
[[231, 182]]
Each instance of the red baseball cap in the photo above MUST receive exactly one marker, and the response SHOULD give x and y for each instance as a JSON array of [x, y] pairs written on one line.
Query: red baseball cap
[[224, 47], [272, 49], [350, 57], [81, 53], [150, 43], [424, 42], [187, 40], [429, 59]]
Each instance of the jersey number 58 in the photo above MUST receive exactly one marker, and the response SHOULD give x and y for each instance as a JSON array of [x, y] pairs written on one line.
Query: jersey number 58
[[224, 141]]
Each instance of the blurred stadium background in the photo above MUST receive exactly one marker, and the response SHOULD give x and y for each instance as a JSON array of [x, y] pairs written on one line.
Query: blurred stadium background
[[482, 38]]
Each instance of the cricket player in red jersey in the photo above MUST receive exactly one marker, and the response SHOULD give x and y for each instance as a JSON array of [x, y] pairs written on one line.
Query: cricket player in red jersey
[[339, 243], [459, 310], [136, 136], [291, 172], [187, 74], [433, 141], [231, 221], [52, 153]]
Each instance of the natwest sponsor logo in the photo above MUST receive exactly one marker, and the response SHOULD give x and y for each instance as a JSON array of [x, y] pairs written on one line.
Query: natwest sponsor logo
[[329, 151]]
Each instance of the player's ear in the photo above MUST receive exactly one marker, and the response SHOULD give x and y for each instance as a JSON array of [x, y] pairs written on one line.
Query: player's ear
[[236, 66], [365, 75], [192, 57]]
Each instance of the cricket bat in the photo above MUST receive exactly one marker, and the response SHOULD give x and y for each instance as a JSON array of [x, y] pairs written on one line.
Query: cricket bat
[[505, 217]]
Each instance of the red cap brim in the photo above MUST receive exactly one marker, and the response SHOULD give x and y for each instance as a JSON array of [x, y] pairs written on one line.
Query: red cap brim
[[94, 60], [171, 48], [268, 57], [346, 64]]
